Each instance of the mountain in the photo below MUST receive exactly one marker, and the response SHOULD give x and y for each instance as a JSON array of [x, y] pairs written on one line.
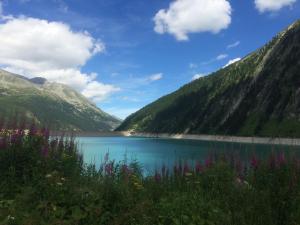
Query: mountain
[[257, 96], [50, 104]]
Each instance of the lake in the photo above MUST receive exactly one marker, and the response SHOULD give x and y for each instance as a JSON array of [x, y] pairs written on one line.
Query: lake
[[152, 153]]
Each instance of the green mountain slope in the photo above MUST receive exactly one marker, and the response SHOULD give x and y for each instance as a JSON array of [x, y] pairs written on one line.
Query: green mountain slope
[[50, 104], [259, 95]]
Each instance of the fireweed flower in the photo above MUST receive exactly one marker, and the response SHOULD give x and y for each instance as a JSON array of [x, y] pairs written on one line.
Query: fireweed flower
[[198, 167], [125, 169], [13, 139], [45, 134], [186, 168], [281, 159], [16, 137], [32, 130], [125, 172], [109, 168], [157, 177], [208, 162], [45, 151], [254, 162], [175, 169], [272, 161]]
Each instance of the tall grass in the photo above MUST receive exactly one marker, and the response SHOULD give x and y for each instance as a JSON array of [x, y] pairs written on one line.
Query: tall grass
[[43, 180]]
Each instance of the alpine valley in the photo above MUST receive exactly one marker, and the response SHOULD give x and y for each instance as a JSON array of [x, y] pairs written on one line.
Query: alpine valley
[[256, 96], [50, 104]]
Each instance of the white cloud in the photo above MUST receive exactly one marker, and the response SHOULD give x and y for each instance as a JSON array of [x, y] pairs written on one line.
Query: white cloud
[[233, 45], [232, 61], [98, 91], [35, 47], [198, 75], [193, 16], [272, 5], [221, 56], [155, 77]]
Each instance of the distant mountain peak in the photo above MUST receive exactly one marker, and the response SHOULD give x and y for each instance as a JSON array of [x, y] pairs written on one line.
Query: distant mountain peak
[[51, 104], [38, 80]]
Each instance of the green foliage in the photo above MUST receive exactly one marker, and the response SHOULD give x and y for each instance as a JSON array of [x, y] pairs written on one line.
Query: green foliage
[[44, 182], [258, 96], [52, 105]]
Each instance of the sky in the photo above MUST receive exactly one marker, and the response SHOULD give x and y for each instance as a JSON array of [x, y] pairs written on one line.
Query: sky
[[124, 54]]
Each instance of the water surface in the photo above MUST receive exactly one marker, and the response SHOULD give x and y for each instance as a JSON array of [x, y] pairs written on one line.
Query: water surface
[[152, 153]]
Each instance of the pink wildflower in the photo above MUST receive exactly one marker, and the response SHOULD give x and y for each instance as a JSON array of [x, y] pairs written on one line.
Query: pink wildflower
[[254, 162], [157, 177], [198, 167]]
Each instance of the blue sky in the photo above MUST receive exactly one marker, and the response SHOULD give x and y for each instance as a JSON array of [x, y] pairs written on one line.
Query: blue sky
[[123, 58]]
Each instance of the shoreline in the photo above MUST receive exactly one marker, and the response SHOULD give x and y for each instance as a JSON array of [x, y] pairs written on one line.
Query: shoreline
[[91, 133], [197, 137], [223, 138]]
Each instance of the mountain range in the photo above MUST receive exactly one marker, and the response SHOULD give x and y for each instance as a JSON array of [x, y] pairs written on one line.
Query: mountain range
[[256, 96], [50, 104]]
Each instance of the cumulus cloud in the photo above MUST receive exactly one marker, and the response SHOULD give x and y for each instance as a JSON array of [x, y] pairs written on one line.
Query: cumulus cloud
[[198, 75], [35, 47], [272, 5], [232, 61], [233, 45], [155, 77], [98, 91], [193, 16]]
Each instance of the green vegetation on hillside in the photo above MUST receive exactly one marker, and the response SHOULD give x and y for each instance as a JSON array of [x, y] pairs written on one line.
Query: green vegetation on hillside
[[44, 181], [257, 96], [51, 104]]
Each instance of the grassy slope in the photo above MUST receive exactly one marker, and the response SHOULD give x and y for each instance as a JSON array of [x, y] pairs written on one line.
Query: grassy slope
[[45, 105], [256, 96], [52, 113]]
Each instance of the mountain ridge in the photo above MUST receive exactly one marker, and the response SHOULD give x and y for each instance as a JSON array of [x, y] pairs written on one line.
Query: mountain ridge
[[51, 104], [250, 97]]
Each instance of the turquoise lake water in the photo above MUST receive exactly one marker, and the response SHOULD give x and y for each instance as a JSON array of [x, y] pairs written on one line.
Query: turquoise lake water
[[152, 153]]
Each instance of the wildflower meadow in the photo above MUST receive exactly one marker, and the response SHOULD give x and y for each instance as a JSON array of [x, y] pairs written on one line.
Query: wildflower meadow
[[43, 180]]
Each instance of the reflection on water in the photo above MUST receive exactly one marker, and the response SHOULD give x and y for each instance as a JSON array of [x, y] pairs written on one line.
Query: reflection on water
[[152, 153]]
